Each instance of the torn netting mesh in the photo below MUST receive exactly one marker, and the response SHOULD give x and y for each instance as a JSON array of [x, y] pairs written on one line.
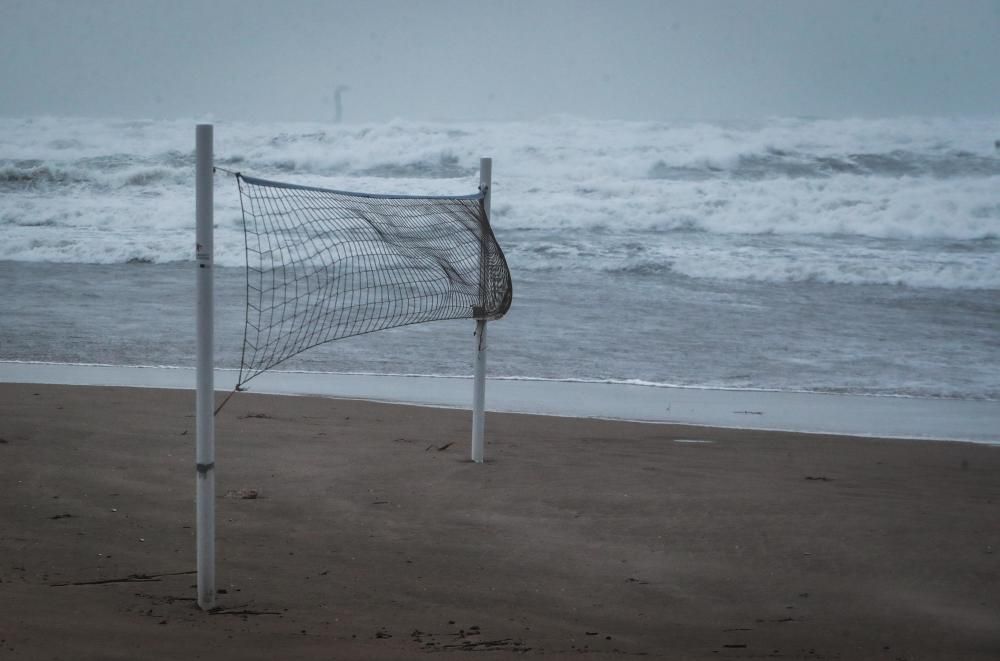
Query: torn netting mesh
[[325, 264]]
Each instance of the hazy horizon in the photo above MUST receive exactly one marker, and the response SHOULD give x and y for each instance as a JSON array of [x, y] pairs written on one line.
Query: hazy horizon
[[446, 60]]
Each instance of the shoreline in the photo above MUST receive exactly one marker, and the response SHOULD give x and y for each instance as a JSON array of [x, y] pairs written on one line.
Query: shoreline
[[609, 382], [351, 529], [842, 414]]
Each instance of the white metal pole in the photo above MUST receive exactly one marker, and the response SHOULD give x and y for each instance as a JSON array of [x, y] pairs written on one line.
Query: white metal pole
[[479, 382], [205, 393], [479, 394]]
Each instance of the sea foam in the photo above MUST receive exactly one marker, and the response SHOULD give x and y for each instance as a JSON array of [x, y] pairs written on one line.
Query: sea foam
[[906, 201]]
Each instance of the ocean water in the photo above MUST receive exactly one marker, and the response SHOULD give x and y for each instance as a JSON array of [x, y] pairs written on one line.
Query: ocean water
[[845, 256]]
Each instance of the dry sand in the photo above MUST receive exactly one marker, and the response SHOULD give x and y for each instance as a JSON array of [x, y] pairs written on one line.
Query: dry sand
[[372, 536]]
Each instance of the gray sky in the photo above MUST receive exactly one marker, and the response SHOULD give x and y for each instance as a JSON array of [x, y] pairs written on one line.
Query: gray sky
[[499, 59]]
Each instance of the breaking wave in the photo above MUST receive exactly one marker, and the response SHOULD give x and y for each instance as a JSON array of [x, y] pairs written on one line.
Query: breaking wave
[[906, 201]]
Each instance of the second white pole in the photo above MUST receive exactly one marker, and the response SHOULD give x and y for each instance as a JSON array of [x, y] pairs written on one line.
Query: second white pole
[[479, 381], [205, 389], [479, 395]]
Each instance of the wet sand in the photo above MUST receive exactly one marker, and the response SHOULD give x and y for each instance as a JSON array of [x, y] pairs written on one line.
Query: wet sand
[[356, 530]]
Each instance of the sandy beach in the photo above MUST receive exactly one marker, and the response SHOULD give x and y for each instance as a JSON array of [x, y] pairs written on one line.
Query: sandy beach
[[355, 530]]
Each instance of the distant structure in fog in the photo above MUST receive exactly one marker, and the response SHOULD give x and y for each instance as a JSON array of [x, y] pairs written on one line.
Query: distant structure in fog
[[338, 104]]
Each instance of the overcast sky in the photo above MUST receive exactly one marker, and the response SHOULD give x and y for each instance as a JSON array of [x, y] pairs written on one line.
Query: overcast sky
[[499, 59]]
